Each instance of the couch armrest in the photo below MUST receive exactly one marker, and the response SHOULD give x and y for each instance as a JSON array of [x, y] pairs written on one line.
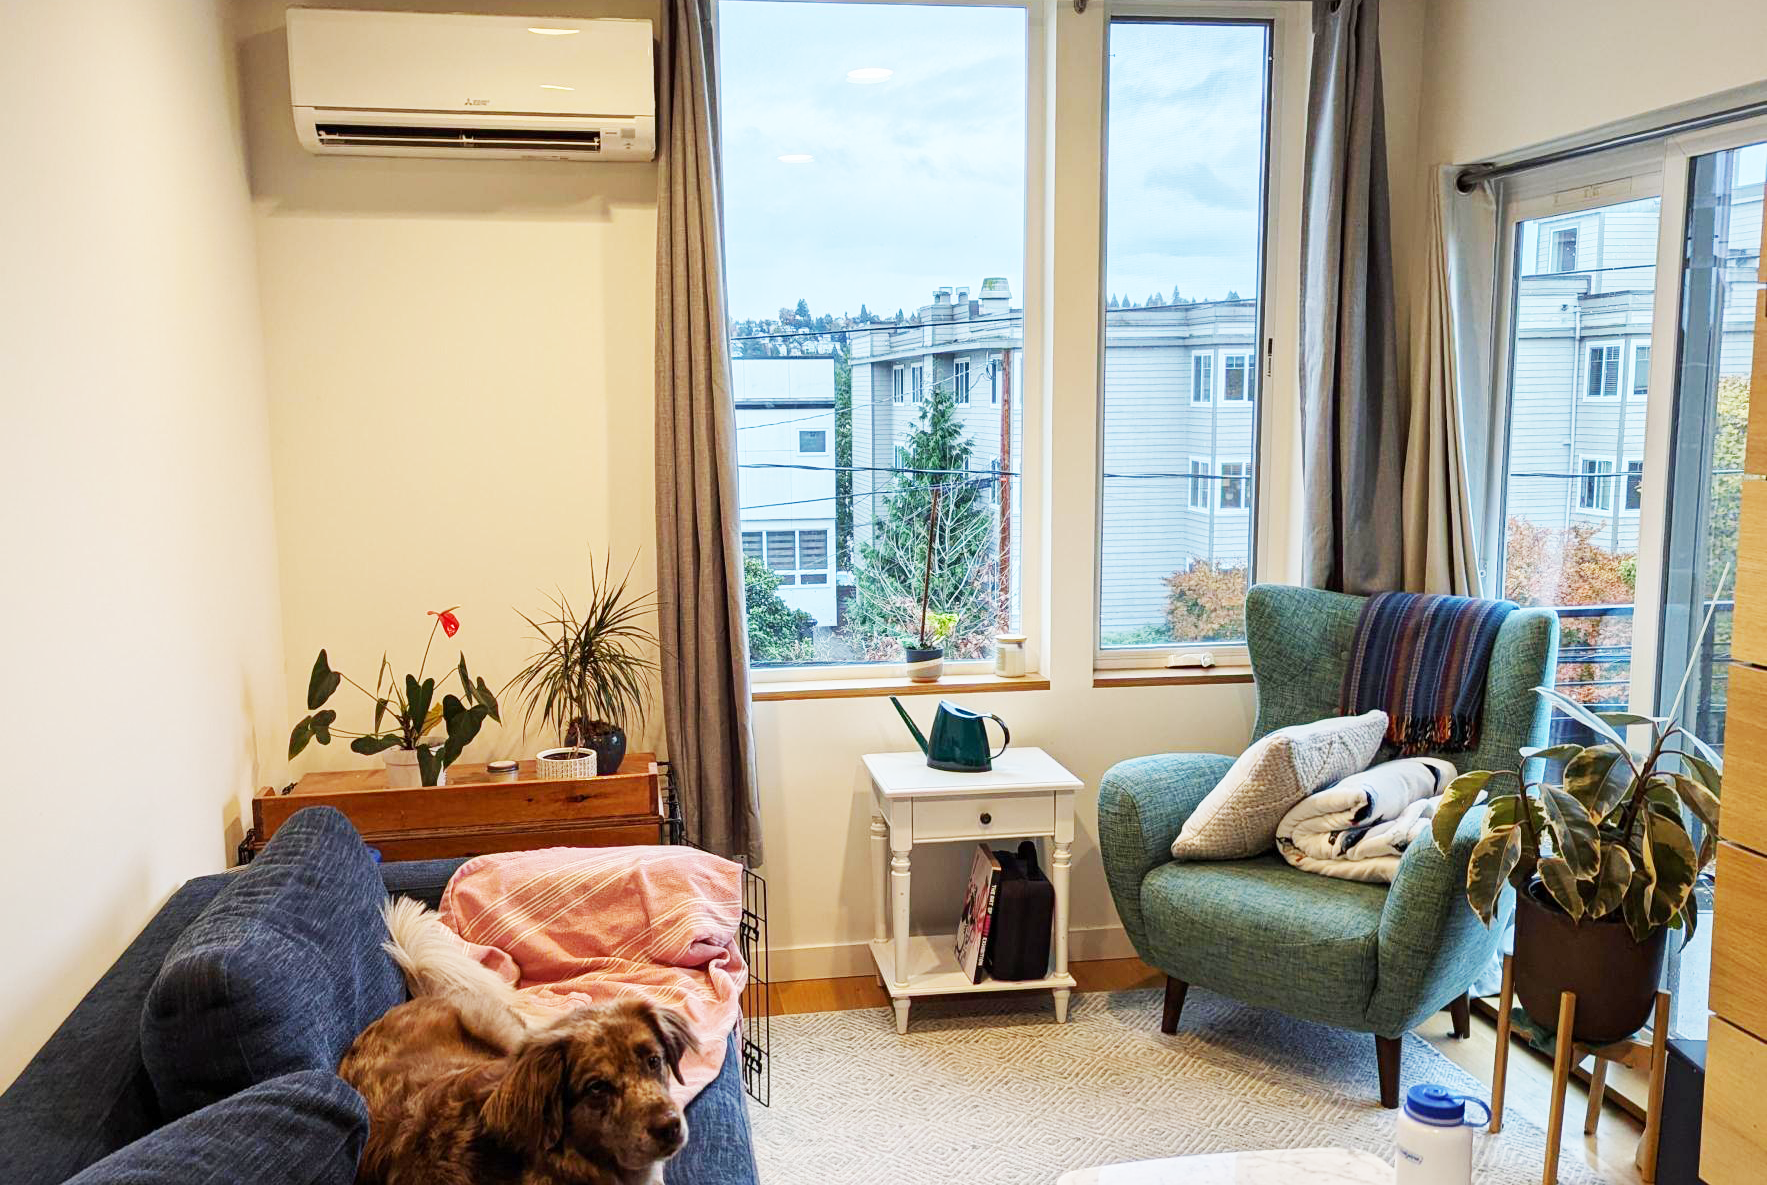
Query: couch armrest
[[1432, 944], [1142, 805]]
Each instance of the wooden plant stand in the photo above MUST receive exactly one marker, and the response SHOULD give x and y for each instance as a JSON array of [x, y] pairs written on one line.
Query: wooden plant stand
[[1649, 1057]]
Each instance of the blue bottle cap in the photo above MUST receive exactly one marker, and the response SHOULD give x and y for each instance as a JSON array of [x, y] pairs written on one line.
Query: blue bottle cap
[[1435, 1104]]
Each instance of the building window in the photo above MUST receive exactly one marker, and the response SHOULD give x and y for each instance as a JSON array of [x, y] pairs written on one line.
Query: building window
[[1202, 485], [896, 383], [813, 557], [815, 441], [1603, 378], [1202, 378], [960, 380], [917, 383], [1595, 486], [1634, 485], [782, 550], [1235, 483], [751, 545], [1564, 250], [1236, 378], [1641, 371]]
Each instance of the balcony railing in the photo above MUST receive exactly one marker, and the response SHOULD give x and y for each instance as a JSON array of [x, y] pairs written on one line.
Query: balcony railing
[[1598, 671]]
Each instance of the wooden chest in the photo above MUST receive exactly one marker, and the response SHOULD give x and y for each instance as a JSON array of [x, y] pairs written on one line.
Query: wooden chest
[[479, 811]]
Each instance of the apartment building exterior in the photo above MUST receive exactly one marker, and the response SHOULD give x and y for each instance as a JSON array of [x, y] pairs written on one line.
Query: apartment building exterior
[[785, 431]]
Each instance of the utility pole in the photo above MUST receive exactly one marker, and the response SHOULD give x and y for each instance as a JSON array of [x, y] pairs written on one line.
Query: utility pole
[[1006, 489]]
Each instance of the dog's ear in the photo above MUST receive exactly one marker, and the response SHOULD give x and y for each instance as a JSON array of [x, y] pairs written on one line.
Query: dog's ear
[[672, 1034], [527, 1108]]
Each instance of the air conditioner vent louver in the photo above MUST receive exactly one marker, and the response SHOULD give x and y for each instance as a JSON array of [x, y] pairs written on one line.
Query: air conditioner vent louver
[[537, 140]]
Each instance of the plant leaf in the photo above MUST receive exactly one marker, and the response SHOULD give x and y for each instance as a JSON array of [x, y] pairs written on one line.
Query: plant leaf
[[1561, 882], [1676, 867], [322, 682], [1598, 777], [322, 725], [1705, 751], [380, 712], [1627, 719], [299, 735], [370, 745], [1581, 714], [1487, 872], [1573, 832], [1701, 801], [1608, 888], [1708, 774], [429, 765], [486, 700], [1459, 798]]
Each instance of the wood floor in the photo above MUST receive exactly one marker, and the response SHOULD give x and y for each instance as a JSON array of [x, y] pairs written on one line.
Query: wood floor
[[1609, 1152]]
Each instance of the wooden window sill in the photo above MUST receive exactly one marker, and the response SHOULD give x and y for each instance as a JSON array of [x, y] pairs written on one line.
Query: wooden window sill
[[891, 685], [1171, 676]]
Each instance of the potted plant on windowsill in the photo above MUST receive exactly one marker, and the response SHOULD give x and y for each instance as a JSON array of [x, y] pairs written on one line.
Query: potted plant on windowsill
[[589, 680], [405, 713], [1601, 858], [926, 661]]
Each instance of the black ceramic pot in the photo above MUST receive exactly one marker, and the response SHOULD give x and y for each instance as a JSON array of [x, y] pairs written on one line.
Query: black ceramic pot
[[609, 743], [925, 665], [1614, 977]]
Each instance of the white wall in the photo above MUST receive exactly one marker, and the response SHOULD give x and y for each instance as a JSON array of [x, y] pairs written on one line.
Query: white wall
[[142, 653]]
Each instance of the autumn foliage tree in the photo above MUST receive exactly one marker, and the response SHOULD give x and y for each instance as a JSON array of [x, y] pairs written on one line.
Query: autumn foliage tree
[[1205, 602], [1564, 567]]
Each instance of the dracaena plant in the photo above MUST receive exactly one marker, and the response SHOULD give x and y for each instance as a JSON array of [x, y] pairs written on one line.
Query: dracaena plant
[[405, 711], [1602, 826]]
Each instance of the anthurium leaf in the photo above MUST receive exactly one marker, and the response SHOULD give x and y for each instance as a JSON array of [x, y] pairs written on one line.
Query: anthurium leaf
[[1573, 831], [380, 712], [429, 764], [486, 700], [1701, 801], [1487, 872], [322, 725], [1459, 798], [1597, 777], [299, 736], [322, 682], [1606, 891], [1561, 882], [370, 745], [1581, 714], [465, 679]]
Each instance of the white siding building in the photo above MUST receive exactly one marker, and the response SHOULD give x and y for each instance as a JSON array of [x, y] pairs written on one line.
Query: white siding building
[[785, 484]]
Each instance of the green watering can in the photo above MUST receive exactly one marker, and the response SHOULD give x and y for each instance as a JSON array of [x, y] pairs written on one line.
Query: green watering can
[[960, 738]]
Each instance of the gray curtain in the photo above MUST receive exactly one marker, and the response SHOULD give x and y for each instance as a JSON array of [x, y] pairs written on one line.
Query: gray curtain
[[699, 560], [1354, 410], [1449, 460]]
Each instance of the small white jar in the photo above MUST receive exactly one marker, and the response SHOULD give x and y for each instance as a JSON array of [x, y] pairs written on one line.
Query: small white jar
[[1009, 656], [1433, 1139]]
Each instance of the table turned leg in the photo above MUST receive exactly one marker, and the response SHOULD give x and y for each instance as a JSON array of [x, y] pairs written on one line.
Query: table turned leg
[[1059, 863]]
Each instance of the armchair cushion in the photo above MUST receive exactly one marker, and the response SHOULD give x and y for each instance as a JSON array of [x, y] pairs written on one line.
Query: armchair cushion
[[1142, 803], [1229, 925]]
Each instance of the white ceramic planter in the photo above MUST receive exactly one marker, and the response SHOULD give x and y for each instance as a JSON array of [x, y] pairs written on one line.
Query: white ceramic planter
[[403, 771], [566, 763]]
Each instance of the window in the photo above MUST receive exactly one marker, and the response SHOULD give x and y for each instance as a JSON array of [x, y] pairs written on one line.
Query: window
[[1236, 378], [1185, 99], [1235, 485], [1634, 485], [751, 545], [1595, 487], [1641, 372], [892, 192], [1564, 250], [1201, 484], [1202, 378], [1602, 379]]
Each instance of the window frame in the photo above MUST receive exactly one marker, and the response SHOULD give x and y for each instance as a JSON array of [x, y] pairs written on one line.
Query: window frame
[[1597, 480], [1640, 390], [1222, 477], [1557, 248], [960, 369], [1248, 382], [813, 452], [1202, 482], [1628, 480], [1613, 354], [1202, 378]]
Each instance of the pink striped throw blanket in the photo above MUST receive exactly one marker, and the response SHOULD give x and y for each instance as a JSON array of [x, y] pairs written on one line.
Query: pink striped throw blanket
[[569, 926]]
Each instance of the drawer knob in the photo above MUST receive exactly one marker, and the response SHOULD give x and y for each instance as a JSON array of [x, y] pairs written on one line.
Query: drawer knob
[[986, 818]]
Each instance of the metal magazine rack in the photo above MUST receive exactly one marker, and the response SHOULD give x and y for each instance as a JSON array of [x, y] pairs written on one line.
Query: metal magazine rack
[[757, 994]]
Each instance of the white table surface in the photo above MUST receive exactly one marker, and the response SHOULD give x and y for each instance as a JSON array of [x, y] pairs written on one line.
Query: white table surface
[[1026, 767], [1305, 1166]]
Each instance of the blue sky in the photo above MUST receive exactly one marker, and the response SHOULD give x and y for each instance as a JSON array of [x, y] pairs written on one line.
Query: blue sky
[[918, 181]]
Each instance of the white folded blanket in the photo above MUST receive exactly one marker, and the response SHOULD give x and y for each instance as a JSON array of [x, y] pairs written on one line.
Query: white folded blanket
[[1358, 828]]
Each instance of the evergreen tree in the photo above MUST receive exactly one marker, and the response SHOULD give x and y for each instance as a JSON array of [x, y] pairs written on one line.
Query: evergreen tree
[[777, 632], [1113, 303], [891, 565], [1232, 295], [802, 313], [1176, 299], [864, 314]]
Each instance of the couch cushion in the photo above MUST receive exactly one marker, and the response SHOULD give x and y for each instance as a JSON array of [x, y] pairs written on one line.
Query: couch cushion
[[1225, 925], [299, 1129], [720, 1147], [278, 974]]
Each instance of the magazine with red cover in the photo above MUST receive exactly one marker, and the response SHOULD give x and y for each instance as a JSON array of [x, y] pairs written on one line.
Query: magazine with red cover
[[978, 913]]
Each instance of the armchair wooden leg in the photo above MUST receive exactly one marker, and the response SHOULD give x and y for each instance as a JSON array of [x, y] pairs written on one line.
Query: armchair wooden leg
[[1461, 1013], [1175, 989], [1387, 1052]]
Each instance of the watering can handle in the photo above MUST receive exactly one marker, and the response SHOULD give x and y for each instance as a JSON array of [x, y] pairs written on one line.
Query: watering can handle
[[1005, 735]]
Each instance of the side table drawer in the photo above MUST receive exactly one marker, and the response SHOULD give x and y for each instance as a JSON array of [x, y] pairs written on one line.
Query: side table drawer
[[980, 818]]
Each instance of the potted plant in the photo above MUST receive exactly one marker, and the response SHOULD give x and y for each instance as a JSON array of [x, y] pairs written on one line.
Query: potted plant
[[405, 713], [1601, 860], [589, 678], [926, 661]]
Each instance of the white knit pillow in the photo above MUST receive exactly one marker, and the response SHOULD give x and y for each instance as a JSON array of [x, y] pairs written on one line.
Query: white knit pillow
[[1239, 816]]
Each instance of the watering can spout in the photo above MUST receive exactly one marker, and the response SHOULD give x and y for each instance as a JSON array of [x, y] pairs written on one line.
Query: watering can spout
[[909, 721]]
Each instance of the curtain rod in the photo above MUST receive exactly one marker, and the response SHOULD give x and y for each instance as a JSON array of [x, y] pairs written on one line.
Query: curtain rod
[[1473, 174]]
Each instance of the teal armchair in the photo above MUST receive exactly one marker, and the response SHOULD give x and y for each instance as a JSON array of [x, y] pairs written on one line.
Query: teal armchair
[[1370, 958]]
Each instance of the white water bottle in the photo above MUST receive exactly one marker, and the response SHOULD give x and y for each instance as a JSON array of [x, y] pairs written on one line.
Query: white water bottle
[[1434, 1140]]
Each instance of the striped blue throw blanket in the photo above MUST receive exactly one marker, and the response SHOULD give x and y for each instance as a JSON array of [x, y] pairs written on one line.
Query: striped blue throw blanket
[[1422, 659]]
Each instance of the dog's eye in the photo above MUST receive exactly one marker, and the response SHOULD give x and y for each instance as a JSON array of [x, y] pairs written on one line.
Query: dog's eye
[[654, 1062], [598, 1086]]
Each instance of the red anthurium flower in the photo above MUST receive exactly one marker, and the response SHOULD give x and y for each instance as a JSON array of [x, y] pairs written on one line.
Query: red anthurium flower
[[450, 623]]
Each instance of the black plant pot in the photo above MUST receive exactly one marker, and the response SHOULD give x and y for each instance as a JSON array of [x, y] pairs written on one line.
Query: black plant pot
[[609, 743], [925, 664], [1613, 976]]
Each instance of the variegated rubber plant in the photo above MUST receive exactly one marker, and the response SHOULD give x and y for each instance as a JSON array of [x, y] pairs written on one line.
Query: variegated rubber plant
[[1602, 826]]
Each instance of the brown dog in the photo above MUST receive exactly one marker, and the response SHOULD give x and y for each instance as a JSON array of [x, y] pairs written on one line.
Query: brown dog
[[459, 1092]]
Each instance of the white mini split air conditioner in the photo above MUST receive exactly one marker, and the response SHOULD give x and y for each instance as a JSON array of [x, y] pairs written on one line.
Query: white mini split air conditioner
[[512, 88]]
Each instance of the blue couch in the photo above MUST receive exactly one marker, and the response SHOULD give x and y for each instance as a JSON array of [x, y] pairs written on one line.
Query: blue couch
[[87, 1106]]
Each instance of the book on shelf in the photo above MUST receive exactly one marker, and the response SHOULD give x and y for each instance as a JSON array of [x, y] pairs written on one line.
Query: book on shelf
[[978, 913]]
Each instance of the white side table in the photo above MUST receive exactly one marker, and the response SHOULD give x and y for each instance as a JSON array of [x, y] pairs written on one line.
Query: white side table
[[1026, 795]]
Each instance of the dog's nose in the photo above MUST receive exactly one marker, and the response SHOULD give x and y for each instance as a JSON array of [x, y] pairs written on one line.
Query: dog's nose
[[666, 1132]]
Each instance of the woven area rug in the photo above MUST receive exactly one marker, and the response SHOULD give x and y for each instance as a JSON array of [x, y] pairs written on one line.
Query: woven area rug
[[990, 1089]]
